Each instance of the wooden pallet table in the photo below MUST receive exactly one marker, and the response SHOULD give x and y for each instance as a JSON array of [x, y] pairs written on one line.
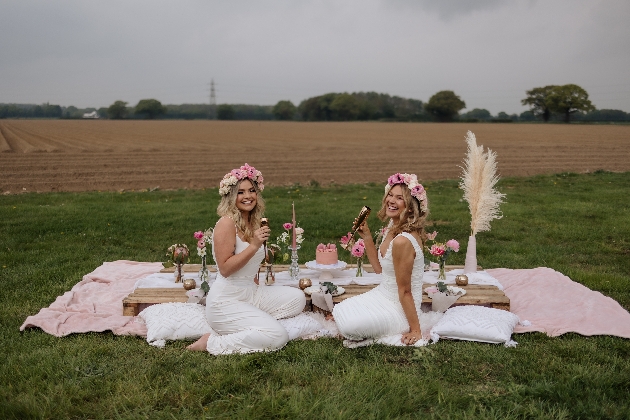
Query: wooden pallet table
[[140, 298]]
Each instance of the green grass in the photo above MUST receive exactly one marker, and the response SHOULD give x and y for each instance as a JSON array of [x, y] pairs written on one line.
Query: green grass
[[576, 224]]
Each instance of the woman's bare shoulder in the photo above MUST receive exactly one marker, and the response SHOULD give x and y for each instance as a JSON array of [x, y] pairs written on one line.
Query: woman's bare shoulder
[[402, 242], [225, 224]]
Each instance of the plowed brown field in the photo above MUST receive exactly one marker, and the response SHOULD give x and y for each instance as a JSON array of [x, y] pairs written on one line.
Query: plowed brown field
[[57, 155]]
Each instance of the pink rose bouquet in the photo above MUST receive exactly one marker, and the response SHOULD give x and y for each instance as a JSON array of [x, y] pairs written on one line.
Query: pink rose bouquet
[[442, 251]]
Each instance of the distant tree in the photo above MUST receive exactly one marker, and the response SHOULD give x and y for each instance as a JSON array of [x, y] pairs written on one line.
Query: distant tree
[[102, 112], [503, 116], [117, 110], [71, 112], [284, 110], [225, 112], [480, 114], [151, 108], [345, 107], [527, 116], [445, 105], [568, 99], [607, 115], [538, 101]]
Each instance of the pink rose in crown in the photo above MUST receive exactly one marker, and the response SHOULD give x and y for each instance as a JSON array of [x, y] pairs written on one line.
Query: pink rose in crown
[[437, 250], [198, 235], [396, 179], [238, 174], [287, 226], [453, 244], [417, 190]]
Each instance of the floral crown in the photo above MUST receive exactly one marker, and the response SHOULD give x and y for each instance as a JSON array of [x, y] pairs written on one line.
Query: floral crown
[[411, 181], [235, 175]]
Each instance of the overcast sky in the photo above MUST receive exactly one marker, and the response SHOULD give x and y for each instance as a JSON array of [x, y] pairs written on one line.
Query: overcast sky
[[91, 53]]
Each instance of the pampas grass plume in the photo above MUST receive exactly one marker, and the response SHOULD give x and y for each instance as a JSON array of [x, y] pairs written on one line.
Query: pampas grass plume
[[478, 180]]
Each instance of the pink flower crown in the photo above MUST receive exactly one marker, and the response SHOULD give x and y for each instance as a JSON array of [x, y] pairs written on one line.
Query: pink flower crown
[[235, 175], [411, 181]]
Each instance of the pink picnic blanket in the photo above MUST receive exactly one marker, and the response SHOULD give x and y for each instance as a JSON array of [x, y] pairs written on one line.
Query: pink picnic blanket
[[95, 303], [552, 302]]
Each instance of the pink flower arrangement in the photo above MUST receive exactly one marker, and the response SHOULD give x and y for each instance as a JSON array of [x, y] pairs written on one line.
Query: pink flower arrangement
[[235, 175], [438, 250]]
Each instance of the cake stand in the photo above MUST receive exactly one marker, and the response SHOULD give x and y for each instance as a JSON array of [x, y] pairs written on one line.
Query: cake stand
[[327, 271]]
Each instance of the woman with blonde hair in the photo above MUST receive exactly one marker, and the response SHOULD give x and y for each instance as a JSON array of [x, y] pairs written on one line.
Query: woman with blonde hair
[[392, 307], [243, 313]]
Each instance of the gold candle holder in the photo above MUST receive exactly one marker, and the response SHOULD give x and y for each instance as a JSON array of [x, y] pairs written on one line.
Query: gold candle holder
[[189, 284], [304, 283], [461, 279]]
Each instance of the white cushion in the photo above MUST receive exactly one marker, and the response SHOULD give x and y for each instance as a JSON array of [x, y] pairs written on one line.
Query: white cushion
[[174, 321], [476, 323]]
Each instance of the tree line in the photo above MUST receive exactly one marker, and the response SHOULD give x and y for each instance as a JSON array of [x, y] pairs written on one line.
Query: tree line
[[548, 103]]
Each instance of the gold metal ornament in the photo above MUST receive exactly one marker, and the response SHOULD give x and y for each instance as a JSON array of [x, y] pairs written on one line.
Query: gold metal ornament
[[461, 279], [304, 283], [189, 284]]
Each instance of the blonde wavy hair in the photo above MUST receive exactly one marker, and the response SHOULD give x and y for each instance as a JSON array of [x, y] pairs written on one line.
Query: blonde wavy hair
[[227, 208], [410, 221]]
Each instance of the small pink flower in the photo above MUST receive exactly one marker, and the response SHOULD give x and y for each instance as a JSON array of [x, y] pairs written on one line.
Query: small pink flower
[[431, 236], [397, 178], [345, 239], [417, 190], [201, 243], [237, 173], [287, 226], [361, 243], [453, 244], [198, 235], [357, 250], [437, 250], [431, 289]]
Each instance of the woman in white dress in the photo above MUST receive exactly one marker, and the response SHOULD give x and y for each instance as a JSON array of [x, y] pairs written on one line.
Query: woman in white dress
[[393, 306], [243, 313]]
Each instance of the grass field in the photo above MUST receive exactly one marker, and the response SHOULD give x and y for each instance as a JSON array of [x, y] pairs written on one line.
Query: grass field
[[75, 155], [578, 224]]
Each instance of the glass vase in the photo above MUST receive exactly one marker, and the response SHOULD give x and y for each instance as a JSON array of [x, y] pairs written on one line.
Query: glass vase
[[203, 272], [359, 267], [442, 270]]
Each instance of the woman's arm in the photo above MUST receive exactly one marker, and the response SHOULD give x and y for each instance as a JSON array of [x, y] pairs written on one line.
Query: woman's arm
[[224, 243], [403, 256], [370, 247]]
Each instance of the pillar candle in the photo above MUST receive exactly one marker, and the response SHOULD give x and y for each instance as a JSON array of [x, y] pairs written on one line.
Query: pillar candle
[[293, 230]]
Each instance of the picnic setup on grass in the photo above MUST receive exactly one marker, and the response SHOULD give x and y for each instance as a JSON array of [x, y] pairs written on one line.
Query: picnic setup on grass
[[165, 302]]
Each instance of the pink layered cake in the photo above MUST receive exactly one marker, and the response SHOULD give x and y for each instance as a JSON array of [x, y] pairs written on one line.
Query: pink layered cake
[[326, 254]]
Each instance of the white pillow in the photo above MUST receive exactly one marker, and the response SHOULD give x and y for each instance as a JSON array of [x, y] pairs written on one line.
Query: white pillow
[[174, 321], [476, 323]]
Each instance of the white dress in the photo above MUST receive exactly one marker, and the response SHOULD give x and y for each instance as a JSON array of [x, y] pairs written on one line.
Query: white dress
[[378, 313], [244, 315]]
